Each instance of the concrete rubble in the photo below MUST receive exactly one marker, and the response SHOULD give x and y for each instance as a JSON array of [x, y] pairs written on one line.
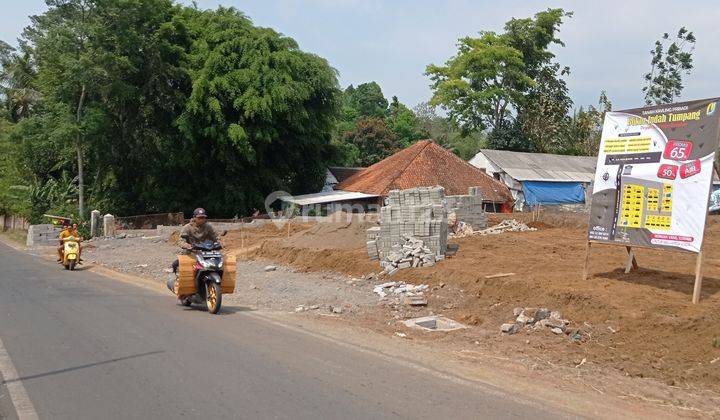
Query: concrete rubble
[[402, 293], [510, 225], [536, 319]]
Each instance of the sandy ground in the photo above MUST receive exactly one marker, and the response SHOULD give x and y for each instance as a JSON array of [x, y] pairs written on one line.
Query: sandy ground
[[642, 337]]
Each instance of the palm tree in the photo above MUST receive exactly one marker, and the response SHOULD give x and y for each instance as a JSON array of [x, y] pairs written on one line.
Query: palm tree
[[17, 77]]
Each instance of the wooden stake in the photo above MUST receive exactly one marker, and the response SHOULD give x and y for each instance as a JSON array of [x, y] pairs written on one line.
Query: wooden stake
[[631, 263], [587, 261], [698, 278], [288, 223]]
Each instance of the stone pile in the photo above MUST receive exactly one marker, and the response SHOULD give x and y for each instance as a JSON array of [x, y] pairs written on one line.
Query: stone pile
[[468, 209], [536, 319], [510, 225], [413, 253], [416, 212]]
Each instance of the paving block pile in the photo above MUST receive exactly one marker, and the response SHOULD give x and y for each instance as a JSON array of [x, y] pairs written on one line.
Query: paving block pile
[[468, 208], [414, 217], [413, 253]]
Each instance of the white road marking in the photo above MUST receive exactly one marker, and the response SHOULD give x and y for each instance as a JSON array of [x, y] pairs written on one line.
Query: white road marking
[[18, 395]]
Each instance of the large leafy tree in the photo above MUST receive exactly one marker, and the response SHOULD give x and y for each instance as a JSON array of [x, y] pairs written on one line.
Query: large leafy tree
[[671, 59], [148, 106], [507, 82], [260, 114], [482, 83]]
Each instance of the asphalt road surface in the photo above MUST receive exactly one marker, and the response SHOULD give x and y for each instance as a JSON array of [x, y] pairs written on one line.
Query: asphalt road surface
[[77, 345]]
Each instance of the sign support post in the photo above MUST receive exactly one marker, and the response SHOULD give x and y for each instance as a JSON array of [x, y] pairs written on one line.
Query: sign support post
[[631, 261], [587, 260], [698, 279]]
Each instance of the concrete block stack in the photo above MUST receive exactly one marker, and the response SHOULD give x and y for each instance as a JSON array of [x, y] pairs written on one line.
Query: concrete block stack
[[468, 208], [42, 235], [415, 214], [372, 243]]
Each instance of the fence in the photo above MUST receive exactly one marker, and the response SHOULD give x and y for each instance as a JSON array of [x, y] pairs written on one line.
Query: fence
[[10, 222], [149, 221]]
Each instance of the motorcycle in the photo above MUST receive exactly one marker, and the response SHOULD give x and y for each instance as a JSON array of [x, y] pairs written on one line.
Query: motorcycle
[[208, 271], [71, 252]]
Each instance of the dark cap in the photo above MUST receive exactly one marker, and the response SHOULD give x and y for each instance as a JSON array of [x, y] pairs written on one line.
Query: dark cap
[[199, 212]]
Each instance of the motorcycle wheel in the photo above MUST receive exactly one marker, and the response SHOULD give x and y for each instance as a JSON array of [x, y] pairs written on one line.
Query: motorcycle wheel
[[66, 266], [213, 297], [71, 265]]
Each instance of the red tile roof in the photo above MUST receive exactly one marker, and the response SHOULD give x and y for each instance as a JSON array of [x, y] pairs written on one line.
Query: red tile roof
[[425, 164]]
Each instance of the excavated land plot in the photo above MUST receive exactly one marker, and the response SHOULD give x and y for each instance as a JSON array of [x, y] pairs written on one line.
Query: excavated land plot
[[640, 324]]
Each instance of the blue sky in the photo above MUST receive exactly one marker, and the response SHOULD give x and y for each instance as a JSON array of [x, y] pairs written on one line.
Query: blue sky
[[391, 41]]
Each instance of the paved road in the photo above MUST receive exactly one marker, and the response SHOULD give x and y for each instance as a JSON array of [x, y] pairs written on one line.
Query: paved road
[[89, 347]]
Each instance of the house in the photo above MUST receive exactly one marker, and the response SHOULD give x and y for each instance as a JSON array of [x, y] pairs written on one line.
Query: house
[[540, 178], [427, 164], [423, 164]]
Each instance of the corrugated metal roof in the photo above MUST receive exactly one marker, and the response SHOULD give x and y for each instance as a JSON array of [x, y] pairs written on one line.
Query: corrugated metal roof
[[543, 166], [325, 197]]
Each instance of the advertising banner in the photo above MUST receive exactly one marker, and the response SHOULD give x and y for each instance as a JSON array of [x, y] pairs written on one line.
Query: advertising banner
[[653, 176]]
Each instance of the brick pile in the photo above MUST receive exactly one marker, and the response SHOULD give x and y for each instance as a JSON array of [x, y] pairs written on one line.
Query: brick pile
[[415, 216]]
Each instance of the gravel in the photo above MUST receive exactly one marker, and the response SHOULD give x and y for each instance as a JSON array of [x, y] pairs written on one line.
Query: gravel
[[281, 289]]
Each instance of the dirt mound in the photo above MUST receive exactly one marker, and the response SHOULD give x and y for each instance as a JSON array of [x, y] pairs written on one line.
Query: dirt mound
[[337, 235]]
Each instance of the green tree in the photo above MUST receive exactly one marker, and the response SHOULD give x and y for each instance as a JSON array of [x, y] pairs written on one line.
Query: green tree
[[17, 91], [368, 100], [583, 129], [373, 140], [543, 115], [261, 112], [663, 84], [496, 75], [482, 83], [402, 121], [442, 131]]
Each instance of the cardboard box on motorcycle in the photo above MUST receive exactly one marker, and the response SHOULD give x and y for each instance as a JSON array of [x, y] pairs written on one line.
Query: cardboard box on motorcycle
[[185, 284]]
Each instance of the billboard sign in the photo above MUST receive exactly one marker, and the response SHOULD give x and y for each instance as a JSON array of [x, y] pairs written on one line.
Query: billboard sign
[[653, 175]]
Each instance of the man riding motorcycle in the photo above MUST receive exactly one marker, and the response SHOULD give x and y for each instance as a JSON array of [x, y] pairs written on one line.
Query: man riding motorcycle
[[195, 232], [68, 231]]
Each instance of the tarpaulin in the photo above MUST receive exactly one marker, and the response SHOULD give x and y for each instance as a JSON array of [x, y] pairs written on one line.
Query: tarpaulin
[[543, 192]]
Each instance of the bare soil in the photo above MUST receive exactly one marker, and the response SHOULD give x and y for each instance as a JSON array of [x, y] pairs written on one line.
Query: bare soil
[[640, 324]]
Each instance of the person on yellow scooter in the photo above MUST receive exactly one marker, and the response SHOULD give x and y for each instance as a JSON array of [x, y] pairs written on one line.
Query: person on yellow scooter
[[68, 231]]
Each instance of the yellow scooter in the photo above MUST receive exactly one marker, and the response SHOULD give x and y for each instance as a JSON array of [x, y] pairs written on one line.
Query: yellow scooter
[[71, 252]]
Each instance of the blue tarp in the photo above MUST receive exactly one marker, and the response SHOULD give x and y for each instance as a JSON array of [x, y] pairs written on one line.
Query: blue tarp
[[542, 192]]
